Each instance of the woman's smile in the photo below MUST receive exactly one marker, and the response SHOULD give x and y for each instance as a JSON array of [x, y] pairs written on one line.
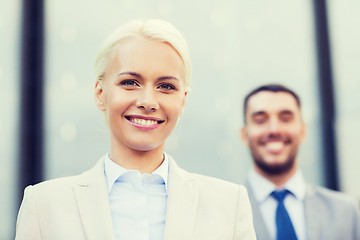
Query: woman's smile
[[144, 123]]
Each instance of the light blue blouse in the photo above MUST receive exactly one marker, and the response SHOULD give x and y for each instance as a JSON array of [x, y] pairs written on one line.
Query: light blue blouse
[[137, 201]]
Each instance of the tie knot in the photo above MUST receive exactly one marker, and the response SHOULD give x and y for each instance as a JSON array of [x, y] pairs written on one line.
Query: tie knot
[[280, 195]]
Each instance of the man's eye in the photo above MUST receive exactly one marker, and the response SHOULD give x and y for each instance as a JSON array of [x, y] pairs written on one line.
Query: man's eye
[[128, 82], [286, 118], [259, 120], [167, 86]]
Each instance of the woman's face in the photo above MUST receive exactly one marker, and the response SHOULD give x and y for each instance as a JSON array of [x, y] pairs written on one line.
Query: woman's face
[[142, 93]]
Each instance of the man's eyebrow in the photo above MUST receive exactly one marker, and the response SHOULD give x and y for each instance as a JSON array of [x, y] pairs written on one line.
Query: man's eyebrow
[[286, 111], [135, 74]]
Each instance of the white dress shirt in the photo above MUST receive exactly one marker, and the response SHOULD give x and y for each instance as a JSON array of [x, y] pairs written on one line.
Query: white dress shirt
[[294, 202], [137, 201]]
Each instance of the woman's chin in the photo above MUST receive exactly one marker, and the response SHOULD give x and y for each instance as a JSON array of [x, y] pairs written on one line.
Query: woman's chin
[[144, 147]]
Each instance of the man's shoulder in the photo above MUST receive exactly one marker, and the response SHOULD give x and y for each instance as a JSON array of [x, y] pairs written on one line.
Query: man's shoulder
[[327, 208], [331, 197]]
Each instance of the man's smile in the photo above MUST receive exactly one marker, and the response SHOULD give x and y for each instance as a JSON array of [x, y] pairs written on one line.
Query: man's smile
[[275, 146]]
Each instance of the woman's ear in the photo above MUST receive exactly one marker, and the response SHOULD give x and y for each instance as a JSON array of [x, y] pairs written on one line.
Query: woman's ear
[[99, 98], [183, 103]]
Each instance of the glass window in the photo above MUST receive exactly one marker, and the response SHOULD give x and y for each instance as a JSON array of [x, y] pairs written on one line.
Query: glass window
[[9, 78], [235, 47], [345, 38]]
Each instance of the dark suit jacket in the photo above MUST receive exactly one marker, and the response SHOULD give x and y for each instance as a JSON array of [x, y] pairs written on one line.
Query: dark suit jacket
[[330, 215]]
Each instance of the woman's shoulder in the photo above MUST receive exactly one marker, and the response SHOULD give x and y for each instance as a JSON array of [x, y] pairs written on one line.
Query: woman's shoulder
[[53, 187], [204, 181], [67, 182], [216, 183]]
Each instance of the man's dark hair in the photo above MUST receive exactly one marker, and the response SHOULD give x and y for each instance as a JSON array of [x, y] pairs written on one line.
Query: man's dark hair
[[270, 88]]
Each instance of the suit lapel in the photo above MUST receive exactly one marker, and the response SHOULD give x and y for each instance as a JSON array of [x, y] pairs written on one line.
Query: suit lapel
[[93, 203], [181, 204], [315, 214], [261, 230]]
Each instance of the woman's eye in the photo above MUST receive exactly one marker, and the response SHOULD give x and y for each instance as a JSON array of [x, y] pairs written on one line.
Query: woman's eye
[[128, 82], [167, 86]]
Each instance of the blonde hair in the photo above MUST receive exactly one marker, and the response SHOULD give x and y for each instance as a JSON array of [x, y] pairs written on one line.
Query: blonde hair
[[158, 30]]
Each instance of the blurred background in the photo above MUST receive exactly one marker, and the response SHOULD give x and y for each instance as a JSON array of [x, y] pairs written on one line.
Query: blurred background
[[236, 45]]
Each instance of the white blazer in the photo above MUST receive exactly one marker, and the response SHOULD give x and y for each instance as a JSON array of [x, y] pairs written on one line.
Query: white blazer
[[77, 208]]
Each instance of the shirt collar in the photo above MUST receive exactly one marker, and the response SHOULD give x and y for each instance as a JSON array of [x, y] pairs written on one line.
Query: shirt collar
[[296, 185], [113, 171], [262, 188]]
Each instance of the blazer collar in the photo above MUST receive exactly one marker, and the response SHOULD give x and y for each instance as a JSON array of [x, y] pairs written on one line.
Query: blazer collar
[[93, 203], [182, 203]]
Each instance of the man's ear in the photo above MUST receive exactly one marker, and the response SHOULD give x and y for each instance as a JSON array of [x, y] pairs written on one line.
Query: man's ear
[[303, 132], [99, 98], [244, 136]]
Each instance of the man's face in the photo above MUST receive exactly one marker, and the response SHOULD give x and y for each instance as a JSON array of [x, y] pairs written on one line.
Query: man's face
[[274, 130]]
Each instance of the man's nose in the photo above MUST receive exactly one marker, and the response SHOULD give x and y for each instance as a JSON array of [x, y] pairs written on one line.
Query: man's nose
[[147, 100], [274, 125]]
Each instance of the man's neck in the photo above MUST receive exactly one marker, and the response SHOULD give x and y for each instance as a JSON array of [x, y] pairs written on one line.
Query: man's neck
[[278, 180]]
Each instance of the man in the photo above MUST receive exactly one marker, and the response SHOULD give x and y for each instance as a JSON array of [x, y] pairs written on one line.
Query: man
[[284, 206]]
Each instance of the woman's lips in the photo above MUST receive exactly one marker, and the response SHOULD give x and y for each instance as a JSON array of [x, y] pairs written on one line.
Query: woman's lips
[[144, 123]]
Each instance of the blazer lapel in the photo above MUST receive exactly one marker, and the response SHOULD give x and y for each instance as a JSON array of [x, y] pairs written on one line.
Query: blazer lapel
[[261, 230], [315, 214], [93, 203], [181, 204]]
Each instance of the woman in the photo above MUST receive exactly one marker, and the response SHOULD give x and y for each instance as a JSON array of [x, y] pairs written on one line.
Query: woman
[[137, 191]]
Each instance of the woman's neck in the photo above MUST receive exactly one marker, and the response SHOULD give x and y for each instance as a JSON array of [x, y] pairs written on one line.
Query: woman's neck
[[143, 161]]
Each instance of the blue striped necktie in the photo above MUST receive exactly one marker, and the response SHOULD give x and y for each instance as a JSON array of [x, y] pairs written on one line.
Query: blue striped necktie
[[284, 228]]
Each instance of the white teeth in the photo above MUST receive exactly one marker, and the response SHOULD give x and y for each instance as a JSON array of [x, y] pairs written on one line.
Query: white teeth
[[144, 122], [150, 122], [274, 145]]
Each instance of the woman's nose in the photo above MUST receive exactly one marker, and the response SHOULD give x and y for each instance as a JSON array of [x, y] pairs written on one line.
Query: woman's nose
[[147, 100]]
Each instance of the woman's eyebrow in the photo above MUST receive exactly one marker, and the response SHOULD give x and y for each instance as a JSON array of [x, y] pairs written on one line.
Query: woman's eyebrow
[[135, 74], [138, 75], [168, 78]]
